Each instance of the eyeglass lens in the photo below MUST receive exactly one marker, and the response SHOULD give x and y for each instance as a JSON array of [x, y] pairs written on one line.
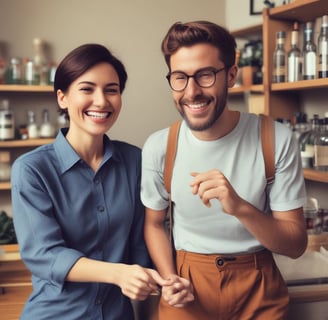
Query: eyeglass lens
[[204, 78]]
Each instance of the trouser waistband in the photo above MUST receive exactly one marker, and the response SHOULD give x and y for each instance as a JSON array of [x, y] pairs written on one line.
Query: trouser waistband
[[225, 260]]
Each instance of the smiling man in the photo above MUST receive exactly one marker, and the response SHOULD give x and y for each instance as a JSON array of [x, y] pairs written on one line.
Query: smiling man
[[224, 233]]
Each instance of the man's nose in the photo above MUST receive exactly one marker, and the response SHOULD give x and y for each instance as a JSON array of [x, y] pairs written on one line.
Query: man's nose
[[192, 89]]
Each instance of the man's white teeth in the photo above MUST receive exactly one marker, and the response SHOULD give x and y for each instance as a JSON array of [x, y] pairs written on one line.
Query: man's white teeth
[[198, 105], [99, 115]]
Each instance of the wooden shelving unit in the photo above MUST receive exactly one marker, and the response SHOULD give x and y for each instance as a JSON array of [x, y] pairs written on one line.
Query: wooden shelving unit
[[20, 146], [283, 99]]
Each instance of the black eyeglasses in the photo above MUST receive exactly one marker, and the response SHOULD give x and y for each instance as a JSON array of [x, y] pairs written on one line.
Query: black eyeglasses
[[204, 78]]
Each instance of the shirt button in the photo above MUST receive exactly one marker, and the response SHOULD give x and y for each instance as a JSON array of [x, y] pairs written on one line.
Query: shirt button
[[98, 301], [101, 208], [97, 181]]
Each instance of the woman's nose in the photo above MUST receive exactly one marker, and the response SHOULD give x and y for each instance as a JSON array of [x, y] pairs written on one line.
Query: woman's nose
[[100, 99]]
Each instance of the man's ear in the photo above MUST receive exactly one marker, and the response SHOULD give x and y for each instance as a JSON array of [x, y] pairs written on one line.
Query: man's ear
[[232, 75]]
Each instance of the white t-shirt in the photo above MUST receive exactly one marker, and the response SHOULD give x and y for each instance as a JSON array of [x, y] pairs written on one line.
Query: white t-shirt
[[238, 155]]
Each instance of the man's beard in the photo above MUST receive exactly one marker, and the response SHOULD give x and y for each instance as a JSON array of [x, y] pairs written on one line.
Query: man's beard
[[218, 110]]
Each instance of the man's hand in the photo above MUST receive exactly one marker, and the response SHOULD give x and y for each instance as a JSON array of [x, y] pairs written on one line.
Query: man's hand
[[214, 185], [178, 291]]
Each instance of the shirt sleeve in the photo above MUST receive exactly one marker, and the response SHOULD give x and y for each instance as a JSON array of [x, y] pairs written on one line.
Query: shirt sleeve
[[153, 192], [39, 236], [288, 190]]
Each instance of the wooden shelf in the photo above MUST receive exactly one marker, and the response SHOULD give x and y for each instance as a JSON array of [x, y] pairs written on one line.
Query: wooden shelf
[[5, 186], [300, 10], [300, 85], [314, 175], [25, 143], [308, 293], [25, 88], [259, 88], [10, 248]]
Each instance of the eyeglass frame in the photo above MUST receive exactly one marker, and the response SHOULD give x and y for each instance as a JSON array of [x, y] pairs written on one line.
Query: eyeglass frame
[[210, 69]]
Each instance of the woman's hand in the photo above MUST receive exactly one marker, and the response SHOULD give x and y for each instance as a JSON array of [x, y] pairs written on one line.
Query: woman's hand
[[178, 291], [138, 283]]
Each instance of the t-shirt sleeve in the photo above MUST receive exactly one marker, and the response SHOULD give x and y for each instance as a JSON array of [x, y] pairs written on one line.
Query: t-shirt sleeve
[[153, 192]]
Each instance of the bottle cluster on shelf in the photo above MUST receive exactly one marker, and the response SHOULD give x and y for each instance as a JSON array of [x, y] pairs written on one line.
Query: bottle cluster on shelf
[[38, 70], [312, 136], [310, 62], [31, 129]]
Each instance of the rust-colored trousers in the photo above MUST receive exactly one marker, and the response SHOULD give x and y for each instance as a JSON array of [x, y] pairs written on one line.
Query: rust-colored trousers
[[241, 287]]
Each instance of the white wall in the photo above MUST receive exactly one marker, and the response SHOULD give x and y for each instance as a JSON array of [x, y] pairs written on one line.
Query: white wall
[[238, 16], [132, 29]]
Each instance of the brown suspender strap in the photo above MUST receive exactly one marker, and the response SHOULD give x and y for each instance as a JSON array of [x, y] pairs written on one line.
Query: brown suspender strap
[[172, 142], [268, 143]]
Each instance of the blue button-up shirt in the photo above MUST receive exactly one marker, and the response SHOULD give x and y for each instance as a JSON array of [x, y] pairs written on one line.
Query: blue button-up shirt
[[63, 211]]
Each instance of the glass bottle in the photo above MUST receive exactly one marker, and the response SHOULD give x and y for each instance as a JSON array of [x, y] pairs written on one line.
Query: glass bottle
[[309, 53], [311, 209], [7, 122], [279, 58], [3, 67], [307, 142], [32, 128], [321, 146], [40, 62], [47, 130], [323, 49], [29, 72], [62, 121], [5, 166], [294, 57], [301, 124]]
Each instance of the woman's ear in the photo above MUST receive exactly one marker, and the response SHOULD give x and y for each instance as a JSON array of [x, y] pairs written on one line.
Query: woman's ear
[[61, 99]]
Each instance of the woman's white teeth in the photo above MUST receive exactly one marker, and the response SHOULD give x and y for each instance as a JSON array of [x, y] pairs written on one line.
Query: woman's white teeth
[[99, 115]]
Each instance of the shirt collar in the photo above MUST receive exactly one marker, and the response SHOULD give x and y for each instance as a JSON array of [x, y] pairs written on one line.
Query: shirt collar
[[68, 157]]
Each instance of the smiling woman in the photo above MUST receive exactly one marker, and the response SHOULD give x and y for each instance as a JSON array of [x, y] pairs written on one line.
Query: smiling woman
[[77, 212]]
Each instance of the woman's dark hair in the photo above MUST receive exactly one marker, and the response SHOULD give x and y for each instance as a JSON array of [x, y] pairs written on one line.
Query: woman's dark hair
[[195, 32], [81, 59]]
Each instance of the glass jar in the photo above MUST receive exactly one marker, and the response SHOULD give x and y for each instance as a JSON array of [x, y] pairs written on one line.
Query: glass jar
[[311, 215], [5, 166], [14, 72]]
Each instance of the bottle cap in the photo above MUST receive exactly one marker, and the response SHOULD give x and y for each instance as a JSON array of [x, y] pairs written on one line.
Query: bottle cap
[[324, 21], [309, 25], [5, 104], [281, 34]]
